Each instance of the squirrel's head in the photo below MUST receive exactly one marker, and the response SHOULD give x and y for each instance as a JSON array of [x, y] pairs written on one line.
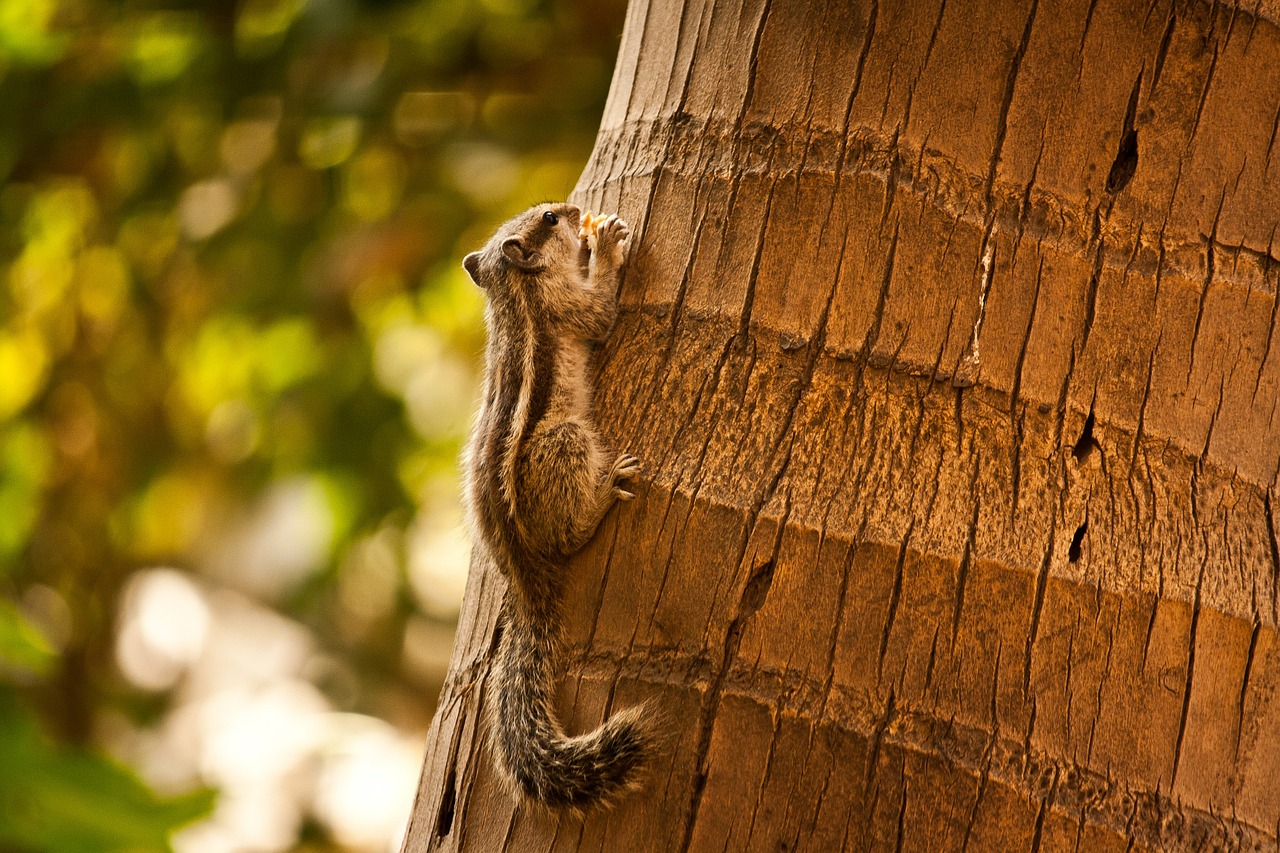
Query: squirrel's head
[[542, 239]]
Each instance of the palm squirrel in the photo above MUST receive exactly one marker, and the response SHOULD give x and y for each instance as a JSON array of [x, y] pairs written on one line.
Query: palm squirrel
[[538, 482]]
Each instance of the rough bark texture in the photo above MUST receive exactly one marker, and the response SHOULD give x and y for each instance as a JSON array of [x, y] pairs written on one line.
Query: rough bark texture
[[949, 344]]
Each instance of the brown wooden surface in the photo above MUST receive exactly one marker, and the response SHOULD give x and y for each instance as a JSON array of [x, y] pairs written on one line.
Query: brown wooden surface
[[926, 557]]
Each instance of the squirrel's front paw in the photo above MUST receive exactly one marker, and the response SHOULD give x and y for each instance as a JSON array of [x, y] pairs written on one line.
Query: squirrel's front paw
[[626, 467], [609, 238]]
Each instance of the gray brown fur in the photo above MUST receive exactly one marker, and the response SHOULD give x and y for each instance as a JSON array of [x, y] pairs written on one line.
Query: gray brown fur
[[539, 481]]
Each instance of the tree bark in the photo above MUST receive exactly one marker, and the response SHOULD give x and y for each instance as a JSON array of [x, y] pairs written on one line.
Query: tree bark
[[948, 343]]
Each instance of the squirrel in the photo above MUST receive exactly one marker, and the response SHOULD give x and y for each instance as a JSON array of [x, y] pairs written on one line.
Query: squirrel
[[539, 481]]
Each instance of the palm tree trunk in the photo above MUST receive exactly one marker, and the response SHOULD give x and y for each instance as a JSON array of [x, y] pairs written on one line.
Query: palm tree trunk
[[948, 344]]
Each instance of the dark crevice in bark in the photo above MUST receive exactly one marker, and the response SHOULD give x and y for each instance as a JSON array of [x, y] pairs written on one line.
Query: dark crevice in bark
[[1126, 162], [1244, 683], [1269, 516], [1209, 252], [1077, 541], [1186, 692], [444, 819], [895, 596], [1006, 101], [1037, 606], [1086, 445]]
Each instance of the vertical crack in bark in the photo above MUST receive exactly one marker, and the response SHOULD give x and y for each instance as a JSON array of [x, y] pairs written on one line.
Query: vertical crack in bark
[[1006, 102], [1095, 274], [1163, 51], [1186, 693], [853, 94], [1088, 21], [895, 596], [1015, 392], [984, 775], [1209, 252], [1244, 689], [1271, 143], [1269, 515], [1208, 82], [966, 557], [1275, 305], [902, 815], [873, 754], [764, 779], [933, 35], [1037, 606], [754, 592]]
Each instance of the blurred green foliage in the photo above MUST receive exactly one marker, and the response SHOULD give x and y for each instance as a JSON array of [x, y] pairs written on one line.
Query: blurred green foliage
[[229, 241]]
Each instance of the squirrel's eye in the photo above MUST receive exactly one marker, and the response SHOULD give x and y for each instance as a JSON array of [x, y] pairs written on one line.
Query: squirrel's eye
[[550, 218]]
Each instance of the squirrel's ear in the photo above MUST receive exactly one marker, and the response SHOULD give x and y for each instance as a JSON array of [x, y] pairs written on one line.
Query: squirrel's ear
[[471, 263], [514, 250]]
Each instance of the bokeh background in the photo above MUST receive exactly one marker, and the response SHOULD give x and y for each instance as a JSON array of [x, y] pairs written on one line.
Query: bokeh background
[[238, 359]]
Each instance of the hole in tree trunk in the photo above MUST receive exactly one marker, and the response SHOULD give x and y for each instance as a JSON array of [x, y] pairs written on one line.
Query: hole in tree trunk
[[1126, 163], [757, 589], [444, 821], [1073, 553], [1086, 444]]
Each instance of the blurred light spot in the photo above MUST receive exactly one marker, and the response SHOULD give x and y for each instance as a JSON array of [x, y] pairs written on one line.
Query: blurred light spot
[[27, 34], [428, 645], [207, 207], [288, 353], [163, 46], [164, 625], [368, 580], [327, 142], [26, 459], [103, 284], [169, 514], [398, 352], [54, 226], [246, 146], [23, 368], [439, 398], [261, 24], [373, 184], [284, 540], [485, 173], [412, 361], [366, 785], [421, 117], [261, 734], [439, 551], [233, 431]]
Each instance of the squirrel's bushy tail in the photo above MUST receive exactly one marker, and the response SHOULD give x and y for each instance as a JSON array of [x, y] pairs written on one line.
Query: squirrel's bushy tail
[[539, 760]]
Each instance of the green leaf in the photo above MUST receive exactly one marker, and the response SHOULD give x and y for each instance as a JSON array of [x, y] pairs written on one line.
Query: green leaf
[[75, 801], [22, 647]]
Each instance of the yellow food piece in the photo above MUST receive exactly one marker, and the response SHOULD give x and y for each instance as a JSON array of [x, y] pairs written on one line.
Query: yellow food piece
[[589, 224]]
